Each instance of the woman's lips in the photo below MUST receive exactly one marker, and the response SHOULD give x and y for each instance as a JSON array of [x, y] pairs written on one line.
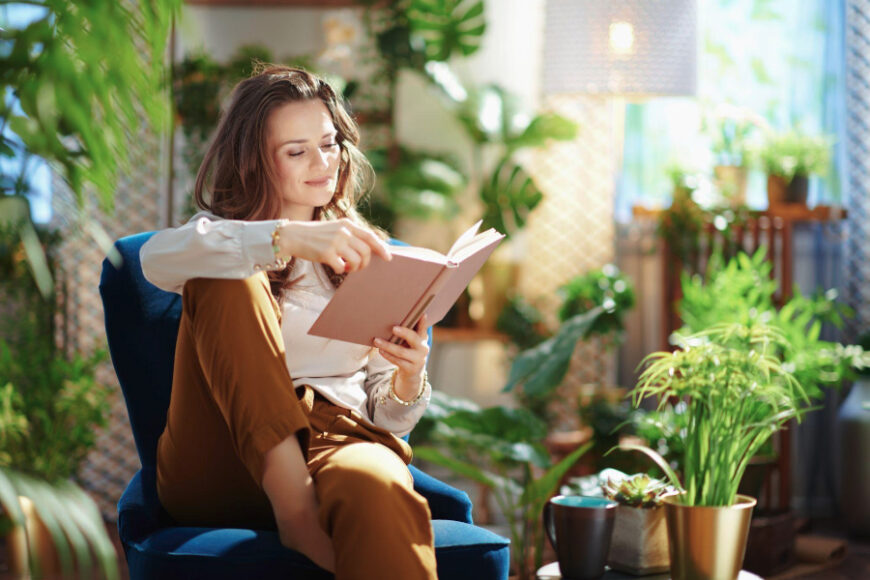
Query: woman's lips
[[318, 182]]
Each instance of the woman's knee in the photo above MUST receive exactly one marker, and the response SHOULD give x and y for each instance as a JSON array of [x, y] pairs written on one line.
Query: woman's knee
[[230, 295], [369, 472]]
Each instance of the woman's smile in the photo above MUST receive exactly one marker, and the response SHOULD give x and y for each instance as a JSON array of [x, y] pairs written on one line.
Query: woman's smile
[[321, 182]]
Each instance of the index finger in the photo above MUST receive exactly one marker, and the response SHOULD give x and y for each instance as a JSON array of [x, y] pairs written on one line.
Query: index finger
[[377, 246], [422, 327]]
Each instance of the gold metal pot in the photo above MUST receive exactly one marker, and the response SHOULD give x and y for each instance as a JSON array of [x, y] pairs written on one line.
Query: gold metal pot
[[707, 543], [34, 538]]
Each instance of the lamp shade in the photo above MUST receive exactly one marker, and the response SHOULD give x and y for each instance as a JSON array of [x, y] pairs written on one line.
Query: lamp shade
[[621, 47]]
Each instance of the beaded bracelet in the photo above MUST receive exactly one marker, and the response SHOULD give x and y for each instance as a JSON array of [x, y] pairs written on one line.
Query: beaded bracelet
[[416, 399], [276, 248]]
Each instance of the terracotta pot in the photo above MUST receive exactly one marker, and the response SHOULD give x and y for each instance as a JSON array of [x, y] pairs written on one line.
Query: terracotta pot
[[707, 543], [781, 191], [775, 190], [640, 541], [731, 180]]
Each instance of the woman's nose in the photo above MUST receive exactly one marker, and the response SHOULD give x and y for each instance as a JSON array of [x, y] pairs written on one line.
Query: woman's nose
[[321, 158]]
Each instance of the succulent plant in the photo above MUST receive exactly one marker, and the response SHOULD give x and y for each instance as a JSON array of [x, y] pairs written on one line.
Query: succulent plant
[[638, 490]]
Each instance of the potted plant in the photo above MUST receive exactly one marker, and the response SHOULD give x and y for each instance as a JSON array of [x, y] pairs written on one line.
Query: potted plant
[[731, 129], [789, 159], [853, 425], [501, 449], [50, 408], [74, 103], [737, 393], [640, 542]]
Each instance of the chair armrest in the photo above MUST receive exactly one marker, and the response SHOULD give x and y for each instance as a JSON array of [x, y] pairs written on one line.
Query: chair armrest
[[445, 502], [139, 509]]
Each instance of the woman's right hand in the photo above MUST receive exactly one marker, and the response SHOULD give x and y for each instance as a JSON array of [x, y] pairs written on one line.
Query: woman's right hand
[[341, 244]]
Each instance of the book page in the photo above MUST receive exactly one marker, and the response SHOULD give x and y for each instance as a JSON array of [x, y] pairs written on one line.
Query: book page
[[474, 245], [465, 269], [419, 253], [464, 239]]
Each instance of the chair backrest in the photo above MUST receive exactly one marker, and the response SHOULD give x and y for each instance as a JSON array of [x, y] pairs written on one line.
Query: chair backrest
[[142, 329]]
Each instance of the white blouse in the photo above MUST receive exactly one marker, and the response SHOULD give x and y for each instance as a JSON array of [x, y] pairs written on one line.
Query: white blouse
[[350, 375]]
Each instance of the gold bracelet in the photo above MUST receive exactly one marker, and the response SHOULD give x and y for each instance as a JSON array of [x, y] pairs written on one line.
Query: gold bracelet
[[276, 248], [416, 399]]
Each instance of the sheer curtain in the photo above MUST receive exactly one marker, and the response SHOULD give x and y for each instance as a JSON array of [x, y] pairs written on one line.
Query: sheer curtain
[[782, 59]]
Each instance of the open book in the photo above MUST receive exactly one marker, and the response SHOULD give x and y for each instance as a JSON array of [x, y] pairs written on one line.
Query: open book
[[416, 281]]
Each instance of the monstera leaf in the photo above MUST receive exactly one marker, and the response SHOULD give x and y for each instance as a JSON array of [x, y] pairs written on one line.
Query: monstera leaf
[[447, 26], [509, 195]]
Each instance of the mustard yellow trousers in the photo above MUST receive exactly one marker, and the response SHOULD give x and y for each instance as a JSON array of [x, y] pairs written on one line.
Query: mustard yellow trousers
[[233, 400]]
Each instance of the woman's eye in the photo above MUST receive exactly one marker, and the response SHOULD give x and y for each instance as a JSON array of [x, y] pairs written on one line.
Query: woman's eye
[[296, 154], [329, 146]]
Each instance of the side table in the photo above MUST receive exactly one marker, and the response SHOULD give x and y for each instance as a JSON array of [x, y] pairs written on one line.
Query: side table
[[551, 572]]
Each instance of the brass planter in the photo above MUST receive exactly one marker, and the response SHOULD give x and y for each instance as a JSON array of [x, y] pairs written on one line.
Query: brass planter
[[35, 535], [707, 543]]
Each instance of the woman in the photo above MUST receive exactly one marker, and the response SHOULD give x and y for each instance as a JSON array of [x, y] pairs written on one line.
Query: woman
[[268, 426]]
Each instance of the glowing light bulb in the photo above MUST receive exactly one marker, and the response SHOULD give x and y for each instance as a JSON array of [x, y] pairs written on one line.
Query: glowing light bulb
[[621, 37]]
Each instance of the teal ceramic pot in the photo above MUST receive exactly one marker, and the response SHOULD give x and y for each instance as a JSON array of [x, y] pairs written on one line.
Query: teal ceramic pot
[[580, 529]]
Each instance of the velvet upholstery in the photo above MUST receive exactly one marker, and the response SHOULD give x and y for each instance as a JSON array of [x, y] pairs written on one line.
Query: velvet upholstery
[[142, 327]]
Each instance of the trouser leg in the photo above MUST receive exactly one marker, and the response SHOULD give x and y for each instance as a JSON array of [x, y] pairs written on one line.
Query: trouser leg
[[232, 401], [380, 526]]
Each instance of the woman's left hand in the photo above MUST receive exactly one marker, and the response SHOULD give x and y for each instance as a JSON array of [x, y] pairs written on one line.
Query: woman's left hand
[[410, 357]]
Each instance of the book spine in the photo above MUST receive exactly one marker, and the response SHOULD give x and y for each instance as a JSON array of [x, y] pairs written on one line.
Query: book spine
[[416, 312]]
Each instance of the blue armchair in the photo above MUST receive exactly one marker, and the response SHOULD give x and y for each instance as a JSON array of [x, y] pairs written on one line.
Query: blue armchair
[[142, 327]]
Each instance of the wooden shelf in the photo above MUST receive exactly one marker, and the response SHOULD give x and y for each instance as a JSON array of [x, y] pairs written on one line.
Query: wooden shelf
[[442, 334], [789, 212], [275, 3]]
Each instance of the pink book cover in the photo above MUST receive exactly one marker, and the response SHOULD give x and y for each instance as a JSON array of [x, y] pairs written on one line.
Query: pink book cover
[[371, 301]]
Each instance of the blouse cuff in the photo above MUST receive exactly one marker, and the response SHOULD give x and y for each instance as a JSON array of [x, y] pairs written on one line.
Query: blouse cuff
[[257, 245]]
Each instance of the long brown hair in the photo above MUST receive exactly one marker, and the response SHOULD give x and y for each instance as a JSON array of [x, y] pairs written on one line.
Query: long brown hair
[[238, 179]]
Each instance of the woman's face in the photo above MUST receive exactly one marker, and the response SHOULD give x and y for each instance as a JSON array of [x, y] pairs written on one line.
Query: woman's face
[[301, 139]]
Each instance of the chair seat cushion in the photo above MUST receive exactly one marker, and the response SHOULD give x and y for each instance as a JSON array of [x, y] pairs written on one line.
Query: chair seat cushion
[[181, 552]]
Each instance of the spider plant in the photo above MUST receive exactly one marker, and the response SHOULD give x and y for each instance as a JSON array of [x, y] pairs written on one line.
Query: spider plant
[[737, 394]]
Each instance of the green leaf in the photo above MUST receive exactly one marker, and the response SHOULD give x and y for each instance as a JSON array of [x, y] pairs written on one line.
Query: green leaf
[[447, 27], [543, 128], [15, 214], [657, 459], [9, 500], [89, 520], [35, 491], [542, 368], [464, 469], [760, 71], [543, 487]]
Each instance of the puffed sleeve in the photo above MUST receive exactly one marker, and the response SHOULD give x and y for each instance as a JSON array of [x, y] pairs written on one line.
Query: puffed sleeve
[[384, 411], [208, 247]]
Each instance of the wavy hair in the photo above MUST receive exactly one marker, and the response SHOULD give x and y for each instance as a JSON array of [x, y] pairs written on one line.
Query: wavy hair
[[238, 179]]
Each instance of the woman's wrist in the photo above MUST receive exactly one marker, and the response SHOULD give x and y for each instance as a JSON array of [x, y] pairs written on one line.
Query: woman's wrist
[[284, 240], [408, 391]]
